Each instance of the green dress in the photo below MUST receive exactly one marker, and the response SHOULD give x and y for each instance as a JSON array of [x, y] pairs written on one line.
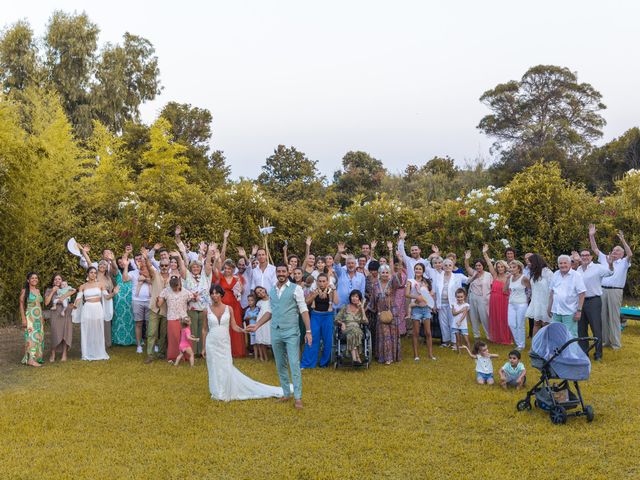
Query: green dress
[[123, 328], [34, 333], [352, 329]]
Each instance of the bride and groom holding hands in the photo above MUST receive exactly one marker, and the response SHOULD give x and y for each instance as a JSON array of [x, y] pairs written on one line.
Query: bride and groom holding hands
[[287, 305]]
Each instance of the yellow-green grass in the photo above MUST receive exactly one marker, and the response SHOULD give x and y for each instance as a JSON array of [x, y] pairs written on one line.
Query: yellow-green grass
[[123, 419]]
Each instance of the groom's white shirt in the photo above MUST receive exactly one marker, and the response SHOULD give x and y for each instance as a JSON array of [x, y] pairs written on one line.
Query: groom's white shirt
[[298, 294]]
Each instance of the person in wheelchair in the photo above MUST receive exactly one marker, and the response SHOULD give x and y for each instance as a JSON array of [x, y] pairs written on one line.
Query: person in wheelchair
[[349, 319]]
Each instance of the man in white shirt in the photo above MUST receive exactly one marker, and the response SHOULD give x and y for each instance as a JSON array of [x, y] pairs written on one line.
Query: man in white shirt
[[410, 261], [264, 275], [566, 295], [613, 288], [592, 276]]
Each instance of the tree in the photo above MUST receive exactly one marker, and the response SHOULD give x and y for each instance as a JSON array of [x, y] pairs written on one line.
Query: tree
[[19, 65], [191, 127], [547, 114], [290, 175], [362, 174], [127, 75], [608, 163], [71, 43]]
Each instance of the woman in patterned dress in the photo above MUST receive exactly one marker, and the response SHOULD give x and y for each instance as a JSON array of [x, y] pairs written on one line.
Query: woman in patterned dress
[[399, 300], [32, 321], [123, 328], [387, 334]]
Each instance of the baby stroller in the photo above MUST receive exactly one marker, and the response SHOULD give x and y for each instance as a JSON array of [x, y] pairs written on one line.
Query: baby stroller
[[343, 358], [558, 356]]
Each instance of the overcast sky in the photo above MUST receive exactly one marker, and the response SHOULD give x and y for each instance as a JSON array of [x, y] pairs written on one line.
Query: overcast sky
[[400, 80]]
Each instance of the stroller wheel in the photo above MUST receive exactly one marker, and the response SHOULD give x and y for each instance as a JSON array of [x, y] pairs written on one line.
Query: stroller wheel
[[523, 405], [588, 410], [558, 415]]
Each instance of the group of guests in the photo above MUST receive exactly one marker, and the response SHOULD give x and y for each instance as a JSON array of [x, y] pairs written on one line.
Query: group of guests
[[150, 299]]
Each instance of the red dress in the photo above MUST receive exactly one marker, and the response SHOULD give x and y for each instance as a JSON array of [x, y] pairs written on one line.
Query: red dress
[[238, 347], [499, 315]]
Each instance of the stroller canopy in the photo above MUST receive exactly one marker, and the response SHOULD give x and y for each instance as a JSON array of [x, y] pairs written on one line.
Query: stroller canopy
[[571, 363]]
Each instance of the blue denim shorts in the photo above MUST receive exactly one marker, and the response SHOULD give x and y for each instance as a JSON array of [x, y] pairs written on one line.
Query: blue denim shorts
[[462, 331], [484, 376], [420, 313]]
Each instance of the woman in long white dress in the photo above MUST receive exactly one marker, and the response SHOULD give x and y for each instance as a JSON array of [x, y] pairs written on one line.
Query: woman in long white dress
[[225, 381], [540, 276], [91, 315]]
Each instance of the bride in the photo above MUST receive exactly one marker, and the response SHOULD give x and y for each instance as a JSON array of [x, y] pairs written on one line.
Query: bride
[[225, 381]]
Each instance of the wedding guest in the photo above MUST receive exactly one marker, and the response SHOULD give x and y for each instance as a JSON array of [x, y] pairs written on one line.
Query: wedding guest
[[157, 316], [123, 325], [592, 274], [566, 295], [539, 277], [479, 294], [59, 318], [516, 286], [613, 288], [498, 301], [177, 300], [32, 321], [387, 331], [349, 320], [409, 261], [321, 302], [349, 278], [445, 284]]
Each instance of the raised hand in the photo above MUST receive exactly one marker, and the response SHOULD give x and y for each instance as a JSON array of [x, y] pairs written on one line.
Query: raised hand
[[341, 247], [178, 230], [128, 248], [592, 229], [402, 234], [389, 245], [181, 246], [254, 250], [202, 247], [435, 249], [144, 252], [467, 254], [85, 248], [241, 252], [226, 233], [374, 244], [157, 246], [620, 235], [485, 248], [308, 242]]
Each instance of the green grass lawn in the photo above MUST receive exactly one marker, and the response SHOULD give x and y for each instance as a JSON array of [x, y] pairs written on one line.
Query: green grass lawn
[[123, 419]]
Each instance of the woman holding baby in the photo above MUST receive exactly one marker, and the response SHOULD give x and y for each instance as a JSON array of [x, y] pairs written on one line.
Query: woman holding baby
[[58, 312]]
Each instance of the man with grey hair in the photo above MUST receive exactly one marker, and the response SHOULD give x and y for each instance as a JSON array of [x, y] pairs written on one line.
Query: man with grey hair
[[566, 295], [592, 275], [349, 278], [612, 288]]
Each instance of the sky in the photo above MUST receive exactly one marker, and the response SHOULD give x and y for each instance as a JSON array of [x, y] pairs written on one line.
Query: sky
[[400, 80]]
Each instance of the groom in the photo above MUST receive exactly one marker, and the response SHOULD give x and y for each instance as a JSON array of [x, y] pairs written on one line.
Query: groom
[[287, 304]]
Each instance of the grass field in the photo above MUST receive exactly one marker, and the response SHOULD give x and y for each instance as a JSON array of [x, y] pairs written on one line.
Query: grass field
[[123, 419]]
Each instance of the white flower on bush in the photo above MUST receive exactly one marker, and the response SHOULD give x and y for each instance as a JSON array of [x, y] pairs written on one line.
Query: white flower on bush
[[458, 199], [505, 242], [494, 216], [481, 220], [492, 225], [506, 227], [327, 232], [491, 201], [472, 211]]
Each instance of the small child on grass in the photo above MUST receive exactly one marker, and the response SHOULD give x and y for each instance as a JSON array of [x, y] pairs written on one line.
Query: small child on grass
[[185, 342], [513, 373], [484, 365]]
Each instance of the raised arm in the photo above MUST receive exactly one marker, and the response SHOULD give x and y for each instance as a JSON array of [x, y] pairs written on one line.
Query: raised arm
[[339, 253], [85, 254], [592, 240], [401, 247], [391, 255], [307, 249], [625, 245], [485, 254], [181, 264], [145, 255], [223, 250], [470, 271]]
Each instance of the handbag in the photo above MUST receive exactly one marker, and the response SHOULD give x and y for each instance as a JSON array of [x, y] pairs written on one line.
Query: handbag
[[386, 316]]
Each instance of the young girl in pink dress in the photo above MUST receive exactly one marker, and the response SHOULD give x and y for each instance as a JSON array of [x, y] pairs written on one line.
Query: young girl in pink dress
[[185, 341]]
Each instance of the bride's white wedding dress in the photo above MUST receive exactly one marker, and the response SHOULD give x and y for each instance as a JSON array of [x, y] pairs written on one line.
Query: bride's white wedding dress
[[225, 381]]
